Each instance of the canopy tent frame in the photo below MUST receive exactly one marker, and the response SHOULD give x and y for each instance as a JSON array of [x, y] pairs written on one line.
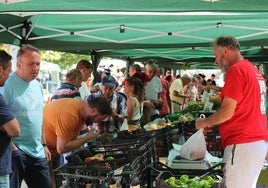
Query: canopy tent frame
[[172, 32]]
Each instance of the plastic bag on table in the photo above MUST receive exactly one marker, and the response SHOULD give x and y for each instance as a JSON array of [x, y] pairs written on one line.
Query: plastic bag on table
[[124, 126], [195, 147], [204, 96], [208, 106]]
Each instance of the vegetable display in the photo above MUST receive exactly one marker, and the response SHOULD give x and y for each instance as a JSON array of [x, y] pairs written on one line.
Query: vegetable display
[[194, 107], [186, 115], [184, 181]]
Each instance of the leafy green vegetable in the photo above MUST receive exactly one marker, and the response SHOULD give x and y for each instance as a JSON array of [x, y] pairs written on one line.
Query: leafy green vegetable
[[184, 181]]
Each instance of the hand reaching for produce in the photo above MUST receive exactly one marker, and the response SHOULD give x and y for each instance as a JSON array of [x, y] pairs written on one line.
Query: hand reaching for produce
[[93, 133]]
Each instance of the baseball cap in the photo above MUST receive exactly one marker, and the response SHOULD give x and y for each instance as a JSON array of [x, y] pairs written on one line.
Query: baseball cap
[[109, 81]]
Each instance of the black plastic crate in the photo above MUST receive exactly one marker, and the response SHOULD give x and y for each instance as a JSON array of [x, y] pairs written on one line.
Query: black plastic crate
[[172, 137], [96, 171], [146, 137], [160, 180], [162, 140], [157, 168], [127, 151], [81, 174], [160, 183], [79, 156], [213, 139], [187, 128]]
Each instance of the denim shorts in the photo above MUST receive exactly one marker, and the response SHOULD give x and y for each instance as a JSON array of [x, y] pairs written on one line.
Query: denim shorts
[[4, 181]]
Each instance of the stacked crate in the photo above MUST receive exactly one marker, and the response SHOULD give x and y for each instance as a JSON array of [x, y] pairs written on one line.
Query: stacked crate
[[213, 139], [131, 152]]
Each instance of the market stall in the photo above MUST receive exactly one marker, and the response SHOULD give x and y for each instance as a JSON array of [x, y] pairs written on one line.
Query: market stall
[[126, 157], [143, 157]]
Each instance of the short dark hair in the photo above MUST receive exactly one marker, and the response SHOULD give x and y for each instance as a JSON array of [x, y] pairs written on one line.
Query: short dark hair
[[84, 64], [167, 69], [227, 41], [5, 59], [24, 48], [102, 105], [137, 67]]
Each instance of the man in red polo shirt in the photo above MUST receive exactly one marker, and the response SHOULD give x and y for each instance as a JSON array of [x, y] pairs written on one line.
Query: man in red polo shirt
[[241, 117]]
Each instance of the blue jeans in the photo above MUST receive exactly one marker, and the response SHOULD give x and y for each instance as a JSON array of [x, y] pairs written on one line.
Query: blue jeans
[[34, 171], [4, 181]]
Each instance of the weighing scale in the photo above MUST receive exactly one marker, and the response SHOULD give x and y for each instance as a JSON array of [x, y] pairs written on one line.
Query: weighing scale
[[181, 163]]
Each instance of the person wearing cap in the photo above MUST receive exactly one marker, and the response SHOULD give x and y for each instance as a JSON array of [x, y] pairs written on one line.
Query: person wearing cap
[[176, 92], [117, 102], [65, 118]]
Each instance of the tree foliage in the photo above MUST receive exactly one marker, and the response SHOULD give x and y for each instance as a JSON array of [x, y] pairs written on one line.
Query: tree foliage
[[63, 59]]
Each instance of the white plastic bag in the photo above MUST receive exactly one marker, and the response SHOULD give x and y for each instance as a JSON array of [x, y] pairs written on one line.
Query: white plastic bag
[[195, 147], [124, 126], [208, 105]]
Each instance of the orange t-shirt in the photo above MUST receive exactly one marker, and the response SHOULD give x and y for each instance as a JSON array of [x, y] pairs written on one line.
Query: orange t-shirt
[[62, 118]]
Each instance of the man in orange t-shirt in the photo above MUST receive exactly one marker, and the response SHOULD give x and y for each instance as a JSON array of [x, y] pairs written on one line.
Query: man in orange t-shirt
[[64, 119]]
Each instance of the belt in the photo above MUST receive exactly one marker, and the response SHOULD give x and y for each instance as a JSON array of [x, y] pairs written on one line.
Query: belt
[[176, 102]]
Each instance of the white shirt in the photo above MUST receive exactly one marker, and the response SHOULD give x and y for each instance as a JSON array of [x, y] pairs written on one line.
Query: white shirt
[[153, 88], [84, 91]]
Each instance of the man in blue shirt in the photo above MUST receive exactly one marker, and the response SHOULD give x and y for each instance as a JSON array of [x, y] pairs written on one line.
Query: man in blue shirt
[[24, 96], [9, 126]]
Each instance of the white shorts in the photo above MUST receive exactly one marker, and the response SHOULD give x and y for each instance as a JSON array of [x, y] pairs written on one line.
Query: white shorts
[[243, 164]]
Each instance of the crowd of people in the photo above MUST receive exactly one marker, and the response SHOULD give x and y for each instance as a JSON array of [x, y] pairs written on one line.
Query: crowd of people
[[37, 138]]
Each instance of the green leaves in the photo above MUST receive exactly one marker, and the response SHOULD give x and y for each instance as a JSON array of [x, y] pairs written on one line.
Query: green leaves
[[63, 59]]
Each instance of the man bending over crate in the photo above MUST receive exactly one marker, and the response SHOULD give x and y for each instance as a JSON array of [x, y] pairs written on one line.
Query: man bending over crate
[[64, 119]]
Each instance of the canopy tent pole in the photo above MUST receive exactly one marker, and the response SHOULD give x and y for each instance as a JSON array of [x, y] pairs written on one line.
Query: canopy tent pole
[[129, 62], [96, 59]]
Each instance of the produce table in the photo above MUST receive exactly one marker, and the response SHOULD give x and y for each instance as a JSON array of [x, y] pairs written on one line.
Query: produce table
[[164, 174], [262, 181]]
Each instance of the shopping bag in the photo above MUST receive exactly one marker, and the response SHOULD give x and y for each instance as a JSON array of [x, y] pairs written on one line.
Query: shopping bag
[[124, 126], [195, 147]]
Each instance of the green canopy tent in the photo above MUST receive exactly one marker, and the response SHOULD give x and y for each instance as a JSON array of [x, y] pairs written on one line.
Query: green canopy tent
[[175, 32]]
